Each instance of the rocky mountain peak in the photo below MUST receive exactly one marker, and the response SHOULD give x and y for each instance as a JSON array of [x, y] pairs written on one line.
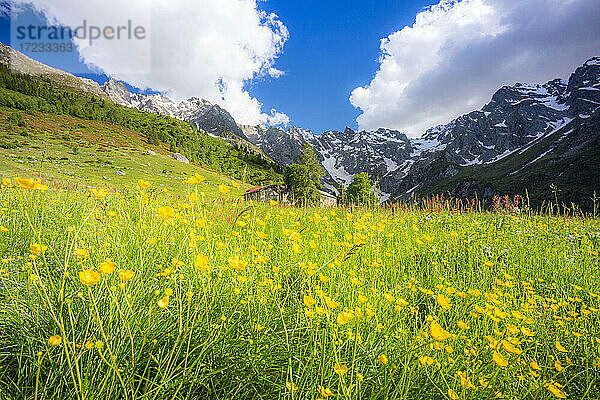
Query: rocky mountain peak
[[349, 131], [594, 61], [117, 91], [20, 63]]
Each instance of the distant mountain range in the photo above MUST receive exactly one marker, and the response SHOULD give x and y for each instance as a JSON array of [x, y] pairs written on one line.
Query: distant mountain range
[[528, 137]]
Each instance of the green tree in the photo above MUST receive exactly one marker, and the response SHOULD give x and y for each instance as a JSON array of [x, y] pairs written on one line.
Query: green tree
[[360, 190], [313, 167], [341, 197], [303, 179], [301, 188]]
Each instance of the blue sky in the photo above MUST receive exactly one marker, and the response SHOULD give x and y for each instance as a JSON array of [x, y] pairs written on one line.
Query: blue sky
[[333, 48], [441, 58]]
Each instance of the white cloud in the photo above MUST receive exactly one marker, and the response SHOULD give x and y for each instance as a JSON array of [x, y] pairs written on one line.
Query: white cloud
[[207, 48], [457, 53]]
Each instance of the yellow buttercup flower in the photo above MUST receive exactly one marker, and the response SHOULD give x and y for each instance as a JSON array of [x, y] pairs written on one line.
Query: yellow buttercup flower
[[343, 318], [81, 253], [527, 332], [224, 189], [560, 347], [438, 333], [107, 267], [452, 394], [89, 277], [323, 391], [558, 366], [142, 184], [331, 303], [126, 275], [340, 369], [559, 394], [236, 263], [382, 359], [166, 213], [462, 325], [509, 347], [201, 262], [426, 361], [163, 302], [24, 183], [443, 302], [37, 248], [98, 193], [55, 340], [499, 359], [309, 301]]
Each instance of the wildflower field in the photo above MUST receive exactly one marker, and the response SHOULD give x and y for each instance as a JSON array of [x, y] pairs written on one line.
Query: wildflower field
[[140, 294]]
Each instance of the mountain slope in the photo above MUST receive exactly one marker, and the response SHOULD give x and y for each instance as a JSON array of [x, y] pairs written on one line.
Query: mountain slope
[[21, 64], [68, 151], [31, 91], [204, 115], [516, 117], [562, 165], [531, 116]]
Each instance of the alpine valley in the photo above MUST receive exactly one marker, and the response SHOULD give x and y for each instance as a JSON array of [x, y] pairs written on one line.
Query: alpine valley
[[542, 140]]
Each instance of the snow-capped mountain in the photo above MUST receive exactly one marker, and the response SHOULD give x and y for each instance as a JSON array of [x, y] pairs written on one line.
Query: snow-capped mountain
[[515, 119], [342, 154]]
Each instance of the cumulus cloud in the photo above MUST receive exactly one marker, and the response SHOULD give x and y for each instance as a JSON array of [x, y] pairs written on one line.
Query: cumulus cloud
[[210, 48], [457, 53]]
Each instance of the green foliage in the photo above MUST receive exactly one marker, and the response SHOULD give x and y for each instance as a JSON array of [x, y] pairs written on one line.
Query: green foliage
[[16, 118], [27, 93], [302, 179], [341, 197], [360, 191], [205, 331], [302, 189], [313, 167]]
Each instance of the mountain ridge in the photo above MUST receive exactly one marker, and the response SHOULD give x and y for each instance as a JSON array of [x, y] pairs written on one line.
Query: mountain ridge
[[514, 120]]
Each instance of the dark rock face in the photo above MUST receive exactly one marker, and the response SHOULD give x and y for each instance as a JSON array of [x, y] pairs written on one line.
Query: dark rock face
[[284, 146], [213, 119]]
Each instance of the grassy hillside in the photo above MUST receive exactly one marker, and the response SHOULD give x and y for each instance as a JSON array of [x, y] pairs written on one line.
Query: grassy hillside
[[240, 160], [68, 151]]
